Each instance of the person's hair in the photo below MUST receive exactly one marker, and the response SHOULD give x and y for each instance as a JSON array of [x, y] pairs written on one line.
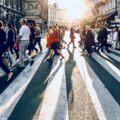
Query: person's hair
[[1, 24], [24, 20], [9, 25]]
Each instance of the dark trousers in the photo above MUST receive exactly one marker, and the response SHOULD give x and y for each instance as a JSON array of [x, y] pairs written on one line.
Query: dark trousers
[[103, 44], [38, 40], [89, 49], [2, 65], [11, 46], [31, 46]]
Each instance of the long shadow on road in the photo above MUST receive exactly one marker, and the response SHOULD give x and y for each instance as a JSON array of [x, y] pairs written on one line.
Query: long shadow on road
[[69, 66], [32, 98], [3, 80]]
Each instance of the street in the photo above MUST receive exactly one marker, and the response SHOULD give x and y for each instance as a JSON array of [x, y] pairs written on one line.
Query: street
[[77, 88]]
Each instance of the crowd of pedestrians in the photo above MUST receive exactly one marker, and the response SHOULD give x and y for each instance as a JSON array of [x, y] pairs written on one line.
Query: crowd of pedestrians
[[30, 34], [91, 43], [11, 42]]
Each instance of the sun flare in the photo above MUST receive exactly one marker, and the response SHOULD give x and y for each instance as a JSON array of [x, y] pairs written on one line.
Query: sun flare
[[75, 9]]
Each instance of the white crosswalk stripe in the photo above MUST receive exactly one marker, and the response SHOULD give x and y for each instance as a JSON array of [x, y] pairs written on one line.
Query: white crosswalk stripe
[[12, 94], [113, 56], [116, 51], [55, 98], [114, 71], [106, 106]]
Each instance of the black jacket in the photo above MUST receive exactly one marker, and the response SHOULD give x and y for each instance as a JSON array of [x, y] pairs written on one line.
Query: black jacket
[[89, 38]]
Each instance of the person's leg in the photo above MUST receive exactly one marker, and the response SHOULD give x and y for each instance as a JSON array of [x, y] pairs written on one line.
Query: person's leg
[[39, 43], [16, 52], [3, 66], [11, 48], [26, 43], [60, 53], [21, 54]]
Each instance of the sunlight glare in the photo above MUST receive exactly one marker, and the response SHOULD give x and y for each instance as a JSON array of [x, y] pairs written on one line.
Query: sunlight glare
[[75, 9]]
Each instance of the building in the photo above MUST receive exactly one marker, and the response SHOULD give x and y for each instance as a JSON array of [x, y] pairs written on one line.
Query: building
[[11, 10], [108, 11], [37, 10], [56, 15]]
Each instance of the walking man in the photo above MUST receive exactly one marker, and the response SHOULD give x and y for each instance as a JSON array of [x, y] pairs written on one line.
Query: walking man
[[23, 41]]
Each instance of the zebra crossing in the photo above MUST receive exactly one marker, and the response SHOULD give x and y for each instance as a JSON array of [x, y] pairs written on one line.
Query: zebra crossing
[[102, 78], [100, 72]]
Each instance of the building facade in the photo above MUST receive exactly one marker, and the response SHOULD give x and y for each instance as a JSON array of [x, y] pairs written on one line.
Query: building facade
[[11, 10], [36, 10], [108, 11], [56, 15]]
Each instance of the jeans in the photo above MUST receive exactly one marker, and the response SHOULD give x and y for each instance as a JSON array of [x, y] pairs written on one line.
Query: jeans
[[22, 48]]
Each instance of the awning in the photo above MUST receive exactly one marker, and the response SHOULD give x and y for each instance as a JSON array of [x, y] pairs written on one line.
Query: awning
[[109, 16]]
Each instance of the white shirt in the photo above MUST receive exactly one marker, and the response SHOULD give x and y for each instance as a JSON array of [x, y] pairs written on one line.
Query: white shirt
[[115, 36], [24, 32]]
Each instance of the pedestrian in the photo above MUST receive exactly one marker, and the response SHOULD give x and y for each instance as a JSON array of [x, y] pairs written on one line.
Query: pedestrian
[[115, 38], [89, 40], [72, 37], [31, 46], [82, 36], [99, 39], [49, 37], [105, 37], [118, 40], [11, 40], [38, 37], [3, 48], [55, 43], [23, 41], [15, 37]]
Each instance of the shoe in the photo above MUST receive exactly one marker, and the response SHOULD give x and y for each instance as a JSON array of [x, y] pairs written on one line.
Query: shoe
[[36, 50], [31, 63], [10, 76], [62, 58], [20, 67]]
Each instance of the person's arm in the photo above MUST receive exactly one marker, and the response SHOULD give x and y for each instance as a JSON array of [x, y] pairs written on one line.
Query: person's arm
[[19, 37]]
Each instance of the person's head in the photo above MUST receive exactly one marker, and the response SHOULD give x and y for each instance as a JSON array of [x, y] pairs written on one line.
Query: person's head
[[53, 27], [1, 24], [71, 29], [30, 25], [87, 27], [9, 25], [23, 21]]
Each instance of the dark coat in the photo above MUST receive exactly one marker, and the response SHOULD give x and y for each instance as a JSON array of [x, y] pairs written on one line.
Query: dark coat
[[89, 38], [104, 33]]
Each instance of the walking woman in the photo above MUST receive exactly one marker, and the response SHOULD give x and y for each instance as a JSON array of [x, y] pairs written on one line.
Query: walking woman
[[3, 48], [72, 37], [55, 43]]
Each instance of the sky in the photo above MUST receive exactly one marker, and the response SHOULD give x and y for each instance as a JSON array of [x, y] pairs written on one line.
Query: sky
[[75, 8]]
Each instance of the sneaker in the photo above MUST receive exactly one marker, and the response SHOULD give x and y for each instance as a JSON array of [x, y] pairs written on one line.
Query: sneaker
[[31, 63], [62, 58], [10, 76]]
